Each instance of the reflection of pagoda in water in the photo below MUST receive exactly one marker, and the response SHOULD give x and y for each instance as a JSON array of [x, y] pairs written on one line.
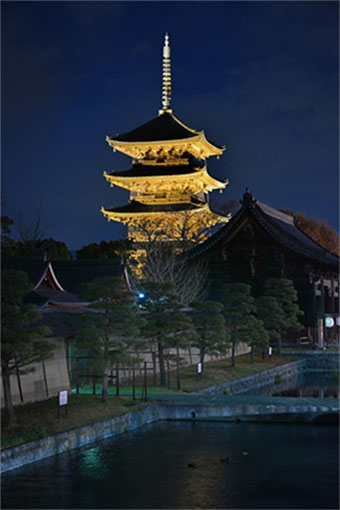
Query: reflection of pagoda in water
[[168, 181]]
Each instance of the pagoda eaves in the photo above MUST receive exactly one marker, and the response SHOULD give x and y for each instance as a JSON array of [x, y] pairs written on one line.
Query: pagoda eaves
[[164, 136], [194, 181], [143, 216]]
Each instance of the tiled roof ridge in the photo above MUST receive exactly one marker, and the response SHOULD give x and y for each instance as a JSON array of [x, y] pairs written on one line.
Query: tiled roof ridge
[[311, 239], [295, 244], [254, 206], [276, 213], [172, 127]]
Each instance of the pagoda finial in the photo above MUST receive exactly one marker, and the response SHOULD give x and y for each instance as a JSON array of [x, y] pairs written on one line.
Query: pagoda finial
[[166, 77]]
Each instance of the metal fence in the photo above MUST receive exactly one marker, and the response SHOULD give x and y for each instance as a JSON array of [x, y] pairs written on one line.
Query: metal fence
[[132, 379]]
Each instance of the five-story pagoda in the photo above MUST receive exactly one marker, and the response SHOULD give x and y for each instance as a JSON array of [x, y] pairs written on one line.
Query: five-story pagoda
[[168, 180]]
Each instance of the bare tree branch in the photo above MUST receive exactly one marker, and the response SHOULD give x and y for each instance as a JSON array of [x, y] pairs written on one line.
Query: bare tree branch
[[34, 229], [156, 257]]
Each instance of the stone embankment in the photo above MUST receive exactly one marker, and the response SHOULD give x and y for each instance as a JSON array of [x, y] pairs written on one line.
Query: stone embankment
[[224, 401], [316, 360], [267, 377], [279, 409], [33, 451]]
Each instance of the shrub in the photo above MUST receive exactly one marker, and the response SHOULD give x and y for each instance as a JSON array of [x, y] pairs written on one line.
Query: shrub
[[277, 379]]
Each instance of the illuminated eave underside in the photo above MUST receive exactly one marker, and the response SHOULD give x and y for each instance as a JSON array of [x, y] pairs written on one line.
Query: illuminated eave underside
[[198, 181], [129, 217], [197, 145]]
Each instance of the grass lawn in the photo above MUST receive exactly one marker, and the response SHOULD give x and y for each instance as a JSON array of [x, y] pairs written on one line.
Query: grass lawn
[[222, 371], [214, 373], [39, 419]]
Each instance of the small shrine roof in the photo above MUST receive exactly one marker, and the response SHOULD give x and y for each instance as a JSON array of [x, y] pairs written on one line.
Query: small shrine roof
[[57, 296], [70, 273], [164, 127]]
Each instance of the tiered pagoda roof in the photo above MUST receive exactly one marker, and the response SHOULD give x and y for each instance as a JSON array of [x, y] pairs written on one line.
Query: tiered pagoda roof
[[171, 132], [135, 212], [143, 177], [168, 173]]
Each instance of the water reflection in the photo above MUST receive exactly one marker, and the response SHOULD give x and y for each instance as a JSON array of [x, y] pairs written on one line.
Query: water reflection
[[309, 384], [205, 472], [91, 463], [287, 466]]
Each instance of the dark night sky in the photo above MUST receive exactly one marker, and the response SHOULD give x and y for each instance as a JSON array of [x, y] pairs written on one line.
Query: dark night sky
[[258, 77]]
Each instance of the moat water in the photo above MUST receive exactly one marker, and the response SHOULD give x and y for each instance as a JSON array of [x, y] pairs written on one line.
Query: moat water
[[188, 465], [315, 384]]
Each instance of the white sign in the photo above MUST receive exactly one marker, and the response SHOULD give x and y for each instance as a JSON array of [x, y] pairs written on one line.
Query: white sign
[[63, 398], [270, 350], [199, 368]]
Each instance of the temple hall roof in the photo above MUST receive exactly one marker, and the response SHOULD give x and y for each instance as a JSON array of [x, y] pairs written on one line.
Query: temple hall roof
[[280, 226]]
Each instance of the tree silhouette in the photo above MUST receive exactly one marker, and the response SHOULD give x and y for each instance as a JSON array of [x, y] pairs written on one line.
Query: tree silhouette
[[210, 328], [23, 339], [241, 323], [285, 294], [110, 327]]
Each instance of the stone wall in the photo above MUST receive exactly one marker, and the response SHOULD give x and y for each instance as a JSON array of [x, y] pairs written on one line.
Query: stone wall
[[266, 377], [191, 357], [52, 375], [33, 451], [38, 385], [318, 360], [294, 409]]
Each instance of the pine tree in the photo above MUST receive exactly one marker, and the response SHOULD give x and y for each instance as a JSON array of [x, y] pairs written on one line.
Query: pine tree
[[23, 339], [111, 326], [241, 323], [271, 314], [258, 336], [211, 337], [167, 325], [285, 294]]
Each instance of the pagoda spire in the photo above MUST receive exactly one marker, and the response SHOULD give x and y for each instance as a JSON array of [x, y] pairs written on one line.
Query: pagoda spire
[[166, 78]]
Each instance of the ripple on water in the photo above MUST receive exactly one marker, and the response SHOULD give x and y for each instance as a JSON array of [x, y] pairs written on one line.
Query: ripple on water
[[287, 466]]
